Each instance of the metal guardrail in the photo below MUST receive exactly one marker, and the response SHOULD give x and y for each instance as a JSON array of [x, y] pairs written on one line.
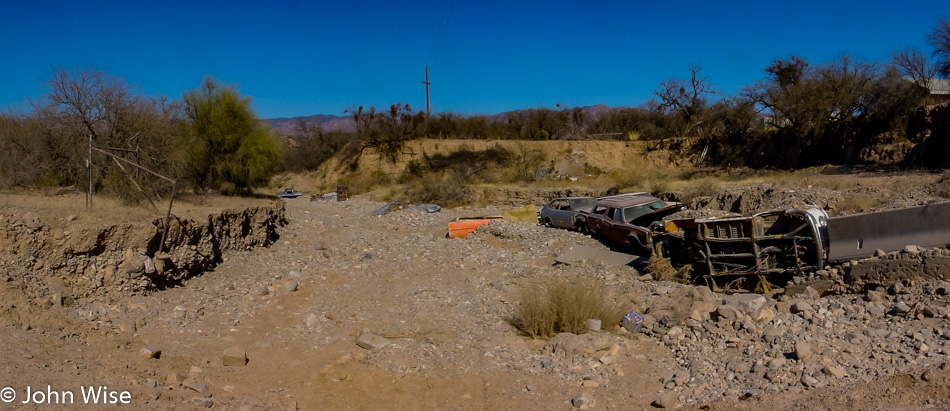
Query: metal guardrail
[[858, 236]]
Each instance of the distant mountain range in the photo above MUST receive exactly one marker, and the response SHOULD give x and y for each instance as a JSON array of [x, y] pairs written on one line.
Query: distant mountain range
[[288, 126]]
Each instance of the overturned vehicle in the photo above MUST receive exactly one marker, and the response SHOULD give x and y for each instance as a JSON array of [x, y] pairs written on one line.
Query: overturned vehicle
[[725, 251], [771, 247]]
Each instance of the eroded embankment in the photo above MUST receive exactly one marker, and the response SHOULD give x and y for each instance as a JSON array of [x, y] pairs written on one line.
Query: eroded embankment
[[68, 259]]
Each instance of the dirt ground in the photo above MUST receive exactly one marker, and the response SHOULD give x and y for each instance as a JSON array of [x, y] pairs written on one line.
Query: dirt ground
[[435, 313]]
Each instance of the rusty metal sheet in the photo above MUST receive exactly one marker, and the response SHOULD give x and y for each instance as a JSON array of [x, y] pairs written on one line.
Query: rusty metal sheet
[[857, 236]]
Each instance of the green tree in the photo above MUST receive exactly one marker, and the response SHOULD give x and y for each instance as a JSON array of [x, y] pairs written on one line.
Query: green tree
[[229, 149]]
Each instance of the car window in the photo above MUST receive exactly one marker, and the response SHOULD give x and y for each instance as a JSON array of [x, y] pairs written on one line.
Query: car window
[[617, 214], [552, 205], [582, 203], [633, 213]]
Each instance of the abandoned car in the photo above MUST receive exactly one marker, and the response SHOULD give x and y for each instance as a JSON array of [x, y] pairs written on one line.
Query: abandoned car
[[625, 219], [566, 212]]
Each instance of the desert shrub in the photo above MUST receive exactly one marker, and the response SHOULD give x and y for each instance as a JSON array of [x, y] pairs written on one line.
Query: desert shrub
[[361, 182], [661, 270], [415, 168], [701, 188], [563, 306], [443, 188], [623, 179], [941, 188], [592, 170], [658, 184], [856, 203]]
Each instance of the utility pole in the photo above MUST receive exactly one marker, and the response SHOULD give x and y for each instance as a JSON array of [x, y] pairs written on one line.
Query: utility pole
[[427, 100], [89, 196]]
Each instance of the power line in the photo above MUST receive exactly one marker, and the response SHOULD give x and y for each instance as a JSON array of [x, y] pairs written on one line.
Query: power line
[[443, 29]]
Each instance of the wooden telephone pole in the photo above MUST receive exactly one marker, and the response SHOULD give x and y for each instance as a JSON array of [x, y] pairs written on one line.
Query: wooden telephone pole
[[427, 100]]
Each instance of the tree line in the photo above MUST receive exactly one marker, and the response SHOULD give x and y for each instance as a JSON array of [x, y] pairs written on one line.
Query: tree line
[[800, 114], [208, 140]]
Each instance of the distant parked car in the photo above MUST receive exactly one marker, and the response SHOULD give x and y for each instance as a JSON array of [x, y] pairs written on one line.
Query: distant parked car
[[289, 192], [625, 219], [567, 212]]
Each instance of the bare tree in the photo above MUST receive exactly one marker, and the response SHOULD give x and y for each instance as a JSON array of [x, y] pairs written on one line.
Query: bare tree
[[688, 97], [84, 103], [940, 40], [912, 63]]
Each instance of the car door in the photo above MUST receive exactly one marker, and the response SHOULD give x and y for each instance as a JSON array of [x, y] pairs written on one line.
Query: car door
[[613, 219], [564, 214]]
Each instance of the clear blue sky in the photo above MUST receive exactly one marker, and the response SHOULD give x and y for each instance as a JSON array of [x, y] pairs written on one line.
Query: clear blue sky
[[304, 58]]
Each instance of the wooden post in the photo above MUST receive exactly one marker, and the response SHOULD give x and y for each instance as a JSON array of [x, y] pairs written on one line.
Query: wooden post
[[427, 100], [89, 195]]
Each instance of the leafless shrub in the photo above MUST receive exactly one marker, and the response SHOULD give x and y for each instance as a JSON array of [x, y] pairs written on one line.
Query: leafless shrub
[[563, 306]]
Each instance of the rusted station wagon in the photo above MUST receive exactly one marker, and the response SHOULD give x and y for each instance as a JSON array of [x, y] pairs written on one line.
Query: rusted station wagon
[[625, 219]]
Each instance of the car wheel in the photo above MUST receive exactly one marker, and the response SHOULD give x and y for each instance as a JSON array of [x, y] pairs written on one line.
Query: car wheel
[[580, 227], [547, 223]]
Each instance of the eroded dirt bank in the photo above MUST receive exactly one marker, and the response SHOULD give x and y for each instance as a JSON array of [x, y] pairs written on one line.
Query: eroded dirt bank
[[70, 259]]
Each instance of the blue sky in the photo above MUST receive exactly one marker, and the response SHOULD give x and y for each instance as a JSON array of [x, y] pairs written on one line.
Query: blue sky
[[304, 58]]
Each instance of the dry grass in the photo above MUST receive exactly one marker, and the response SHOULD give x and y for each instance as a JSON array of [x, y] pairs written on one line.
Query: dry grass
[[690, 190], [563, 306], [661, 270], [857, 202]]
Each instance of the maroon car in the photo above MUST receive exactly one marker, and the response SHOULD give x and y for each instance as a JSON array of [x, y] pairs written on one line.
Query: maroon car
[[625, 219]]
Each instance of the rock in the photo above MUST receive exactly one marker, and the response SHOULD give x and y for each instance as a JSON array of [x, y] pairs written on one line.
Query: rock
[[370, 341], [879, 252], [311, 320], [728, 312], [809, 381], [777, 362], [900, 308], [802, 350], [200, 388], [911, 249], [895, 288], [150, 352], [748, 304], [927, 376], [834, 371], [583, 401], [289, 287], [681, 377], [875, 296], [646, 278], [203, 402], [148, 265], [701, 293], [590, 384], [174, 378], [800, 306], [234, 356], [667, 399]]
